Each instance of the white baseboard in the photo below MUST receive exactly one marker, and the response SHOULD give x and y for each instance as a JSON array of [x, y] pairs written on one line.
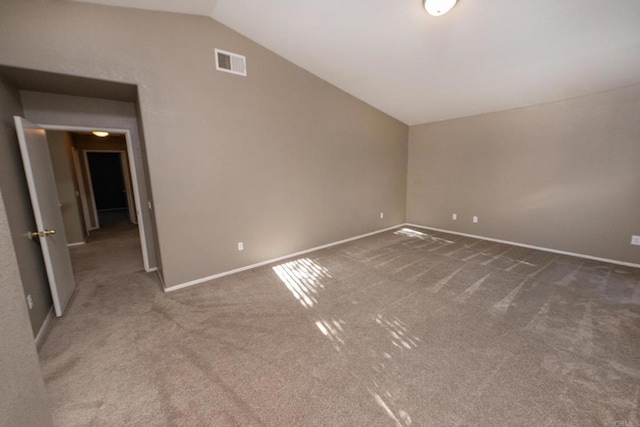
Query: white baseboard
[[76, 244], [260, 264], [270, 261], [43, 329], [523, 245], [151, 269]]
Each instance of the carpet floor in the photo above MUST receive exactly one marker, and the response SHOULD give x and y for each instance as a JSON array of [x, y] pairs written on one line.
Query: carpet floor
[[407, 327]]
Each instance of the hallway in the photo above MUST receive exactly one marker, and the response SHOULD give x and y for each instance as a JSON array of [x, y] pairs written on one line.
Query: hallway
[[95, 336]]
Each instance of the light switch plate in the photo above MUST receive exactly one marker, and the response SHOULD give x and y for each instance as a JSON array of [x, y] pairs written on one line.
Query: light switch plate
[[635, 240]]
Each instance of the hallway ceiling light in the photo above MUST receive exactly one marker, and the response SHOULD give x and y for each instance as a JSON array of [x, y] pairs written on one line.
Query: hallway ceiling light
[[439, 7], [100, 133]]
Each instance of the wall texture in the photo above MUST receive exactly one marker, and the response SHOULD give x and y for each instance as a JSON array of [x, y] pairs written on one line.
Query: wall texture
[[23, 400], [61, 160], [564, 176], [280, 159], [13, 186]]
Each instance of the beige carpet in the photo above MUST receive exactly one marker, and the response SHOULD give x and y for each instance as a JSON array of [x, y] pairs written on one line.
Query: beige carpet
[[408, 327]]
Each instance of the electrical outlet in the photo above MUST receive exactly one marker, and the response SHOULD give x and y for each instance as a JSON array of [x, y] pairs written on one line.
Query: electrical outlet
[[454, 217], [381, 215], [30, 301], [475, 219], [240, 246], [635, 240]]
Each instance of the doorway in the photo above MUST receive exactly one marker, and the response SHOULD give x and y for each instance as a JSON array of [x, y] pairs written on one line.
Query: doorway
[[56, 181], [108, 187], [71, 104], [107, 182], [110, 195]]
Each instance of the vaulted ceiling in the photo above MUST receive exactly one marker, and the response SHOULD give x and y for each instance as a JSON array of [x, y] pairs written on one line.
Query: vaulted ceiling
[[483, 56]]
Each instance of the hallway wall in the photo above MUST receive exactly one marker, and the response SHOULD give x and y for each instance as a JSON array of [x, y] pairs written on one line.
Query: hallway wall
[[13, 186], [62, 162], [23, 399]]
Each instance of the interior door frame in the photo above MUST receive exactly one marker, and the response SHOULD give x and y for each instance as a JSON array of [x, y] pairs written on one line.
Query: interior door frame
[[125, 178], [134, 178], [82, 190], [89, 190]]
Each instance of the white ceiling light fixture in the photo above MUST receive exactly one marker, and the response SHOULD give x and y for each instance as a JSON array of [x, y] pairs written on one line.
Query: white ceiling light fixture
[[439, 7], [100, 133]]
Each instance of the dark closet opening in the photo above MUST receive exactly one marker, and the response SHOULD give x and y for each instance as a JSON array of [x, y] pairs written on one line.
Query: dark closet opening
[[108, 185]]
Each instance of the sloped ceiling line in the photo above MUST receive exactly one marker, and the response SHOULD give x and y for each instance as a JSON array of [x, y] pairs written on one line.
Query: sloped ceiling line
[[482, 56]]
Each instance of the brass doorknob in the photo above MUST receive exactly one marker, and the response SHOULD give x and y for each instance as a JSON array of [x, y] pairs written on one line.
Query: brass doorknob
[[45, 233]]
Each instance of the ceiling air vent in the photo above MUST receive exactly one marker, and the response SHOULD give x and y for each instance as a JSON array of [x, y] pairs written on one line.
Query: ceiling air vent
[[231, 62]]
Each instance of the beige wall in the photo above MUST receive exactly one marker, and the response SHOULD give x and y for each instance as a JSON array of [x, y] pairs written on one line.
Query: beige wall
[[564, 176], [60, 149], [23, 400], [13, 186], [280, 160]]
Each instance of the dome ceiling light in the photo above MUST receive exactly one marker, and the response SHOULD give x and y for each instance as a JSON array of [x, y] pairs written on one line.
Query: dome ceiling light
[[439, 7]]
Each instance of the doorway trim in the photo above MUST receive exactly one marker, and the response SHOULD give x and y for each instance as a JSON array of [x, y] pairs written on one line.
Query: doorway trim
[[134, 178], [89, 189], [81, 186]]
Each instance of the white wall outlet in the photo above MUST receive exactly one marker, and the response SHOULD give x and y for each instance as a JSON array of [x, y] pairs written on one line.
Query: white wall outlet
[[475, 219], [240, 246], [454, 217], [29, 301], [635, 240], [381, 215]]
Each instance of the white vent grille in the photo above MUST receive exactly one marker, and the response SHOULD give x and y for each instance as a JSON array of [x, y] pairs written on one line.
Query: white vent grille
[[231, 62]]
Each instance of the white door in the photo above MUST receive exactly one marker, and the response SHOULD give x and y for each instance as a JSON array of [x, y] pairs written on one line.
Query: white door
[[46, 210]]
